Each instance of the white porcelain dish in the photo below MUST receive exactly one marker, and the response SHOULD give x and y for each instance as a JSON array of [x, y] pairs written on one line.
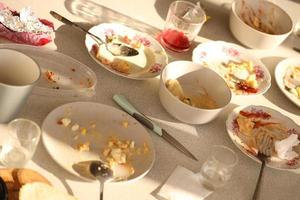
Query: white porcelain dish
[[151, 60], [62, 76], [280, 72], [107, 121], [265, 12], [215, 53], [193, 77], [275, 116]]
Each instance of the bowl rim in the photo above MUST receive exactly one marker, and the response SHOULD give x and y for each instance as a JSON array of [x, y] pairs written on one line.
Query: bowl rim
[[163, 85], [233, 10]]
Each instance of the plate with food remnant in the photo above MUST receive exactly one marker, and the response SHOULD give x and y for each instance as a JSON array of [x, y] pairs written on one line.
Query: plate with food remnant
[[244, 73], [287, 76], [61, 75], [84, 131], [252, 126], [149, 62]]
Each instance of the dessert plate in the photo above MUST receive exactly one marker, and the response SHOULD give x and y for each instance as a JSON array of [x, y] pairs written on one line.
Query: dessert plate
[[149, 63], [61, 74], [269, 115], [217, 54], [280, 73], [97, 124]]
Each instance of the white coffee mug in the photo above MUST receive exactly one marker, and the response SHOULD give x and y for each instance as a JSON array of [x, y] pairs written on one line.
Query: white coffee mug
[[18, 74]]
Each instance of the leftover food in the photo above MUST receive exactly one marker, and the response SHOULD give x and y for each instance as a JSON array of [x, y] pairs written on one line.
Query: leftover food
[[253, 126], [292, 80], [201, 100]]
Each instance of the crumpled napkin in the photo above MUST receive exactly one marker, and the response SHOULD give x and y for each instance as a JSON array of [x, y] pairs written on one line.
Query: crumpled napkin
[[284, 148], [183, 184]]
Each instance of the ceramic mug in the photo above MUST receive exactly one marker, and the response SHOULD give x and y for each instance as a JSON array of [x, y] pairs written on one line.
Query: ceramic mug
[[18, 74]]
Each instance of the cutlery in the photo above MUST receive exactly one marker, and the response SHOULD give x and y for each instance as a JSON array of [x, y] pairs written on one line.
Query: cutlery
[[95, 169], [123, 103], [296, 49], [3, 190], [264, 152], [117, 49]]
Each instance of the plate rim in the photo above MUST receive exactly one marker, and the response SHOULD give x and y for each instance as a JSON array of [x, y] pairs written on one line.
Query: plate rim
[[82, 177], [116, 72]]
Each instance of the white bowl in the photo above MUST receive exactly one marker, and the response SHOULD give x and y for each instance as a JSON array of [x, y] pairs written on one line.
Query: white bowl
[[282, 23], [193, 76]]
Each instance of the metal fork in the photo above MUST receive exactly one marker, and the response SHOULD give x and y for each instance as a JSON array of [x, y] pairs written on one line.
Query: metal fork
[[264, 152]]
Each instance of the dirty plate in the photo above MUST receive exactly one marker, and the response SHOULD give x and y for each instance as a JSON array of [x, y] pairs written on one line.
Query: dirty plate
[[246, 81], [97, 124], [282, 78], [149, 63], [264, 115], [62, 76]]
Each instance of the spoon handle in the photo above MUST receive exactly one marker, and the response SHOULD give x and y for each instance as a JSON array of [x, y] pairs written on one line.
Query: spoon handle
[[68, 22], [101, 190]]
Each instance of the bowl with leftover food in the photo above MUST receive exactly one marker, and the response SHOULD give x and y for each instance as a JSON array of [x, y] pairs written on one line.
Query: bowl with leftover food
[[83, 131], [287, 76], [193, 93], [149, 63], [248, 126], [259, 24], [245, 74]]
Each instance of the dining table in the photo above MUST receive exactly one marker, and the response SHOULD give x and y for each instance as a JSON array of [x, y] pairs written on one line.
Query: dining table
[[149, 16]]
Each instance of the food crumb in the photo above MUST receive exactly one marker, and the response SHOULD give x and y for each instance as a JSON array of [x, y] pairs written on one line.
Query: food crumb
[[83, 131], [125, 124], [83, 147], [64, 121], [75, 127]]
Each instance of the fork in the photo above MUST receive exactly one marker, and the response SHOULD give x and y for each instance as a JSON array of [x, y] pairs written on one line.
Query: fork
[[264, 152]]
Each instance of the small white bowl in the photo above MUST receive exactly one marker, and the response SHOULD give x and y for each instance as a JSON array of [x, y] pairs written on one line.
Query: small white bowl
[[193, 76], [249, 36]]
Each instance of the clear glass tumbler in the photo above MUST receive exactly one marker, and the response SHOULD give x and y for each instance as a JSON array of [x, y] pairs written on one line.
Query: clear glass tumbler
[[218, 168], [21, 143], [183, 24]]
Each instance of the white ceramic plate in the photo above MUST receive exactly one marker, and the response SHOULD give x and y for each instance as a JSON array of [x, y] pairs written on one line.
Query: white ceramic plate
[[280, 72], [155, 54], [71, 78], [213, 54], [59, 140], [275, 116]]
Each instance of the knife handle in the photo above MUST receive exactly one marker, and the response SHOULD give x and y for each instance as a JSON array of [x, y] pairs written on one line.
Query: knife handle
[[122, 101]]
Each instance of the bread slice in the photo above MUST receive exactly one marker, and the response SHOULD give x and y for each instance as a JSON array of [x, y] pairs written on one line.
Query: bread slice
[[42, 191]]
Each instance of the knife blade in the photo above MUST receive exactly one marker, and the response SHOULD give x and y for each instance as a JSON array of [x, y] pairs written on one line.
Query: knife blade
[[123, 103]]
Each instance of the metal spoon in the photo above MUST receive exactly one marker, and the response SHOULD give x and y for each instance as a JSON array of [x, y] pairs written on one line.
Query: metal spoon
[[117, 49], [95, 169]]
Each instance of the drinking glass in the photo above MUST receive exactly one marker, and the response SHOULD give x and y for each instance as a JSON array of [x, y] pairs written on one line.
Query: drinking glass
[[183, 23], [21, 143], [218, 168]]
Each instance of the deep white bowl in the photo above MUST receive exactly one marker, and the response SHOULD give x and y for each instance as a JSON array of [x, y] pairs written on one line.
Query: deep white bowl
[[194, 76], [282, 23]]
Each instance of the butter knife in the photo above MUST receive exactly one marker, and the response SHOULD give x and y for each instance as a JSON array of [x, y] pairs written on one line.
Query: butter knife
[[123, 103]]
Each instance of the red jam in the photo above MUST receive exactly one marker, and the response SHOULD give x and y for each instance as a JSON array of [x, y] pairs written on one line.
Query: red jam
[[175, 40]]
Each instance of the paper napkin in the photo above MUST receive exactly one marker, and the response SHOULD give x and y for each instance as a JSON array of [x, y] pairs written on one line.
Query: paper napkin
[[284, 148], [183, 184]]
